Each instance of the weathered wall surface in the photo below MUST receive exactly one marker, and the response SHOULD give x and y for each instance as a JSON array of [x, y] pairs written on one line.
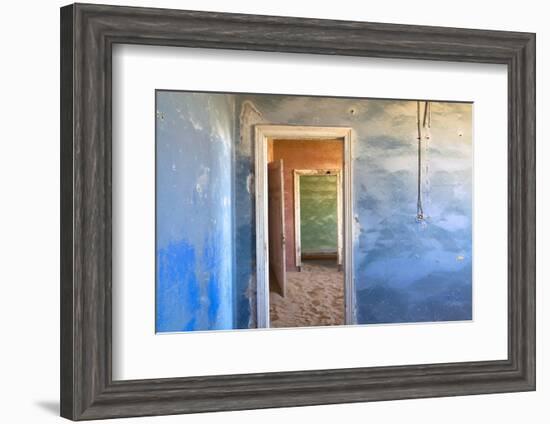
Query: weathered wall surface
[[303, 154], [318, 213], [194, 272], [408, 271], [404, 270], [245, 230]]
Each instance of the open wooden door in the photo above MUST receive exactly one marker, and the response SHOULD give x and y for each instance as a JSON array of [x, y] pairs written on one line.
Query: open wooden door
[[276, 218]]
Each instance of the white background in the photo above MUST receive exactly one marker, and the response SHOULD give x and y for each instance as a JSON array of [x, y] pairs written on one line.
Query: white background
[[138, 353], [29, 171]]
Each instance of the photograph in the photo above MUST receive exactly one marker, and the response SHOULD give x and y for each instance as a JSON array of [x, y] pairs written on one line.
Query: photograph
[[261, 207], [373, 227]]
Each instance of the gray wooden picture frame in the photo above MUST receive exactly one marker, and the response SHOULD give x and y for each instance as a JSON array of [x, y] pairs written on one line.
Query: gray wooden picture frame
[[88, 33]]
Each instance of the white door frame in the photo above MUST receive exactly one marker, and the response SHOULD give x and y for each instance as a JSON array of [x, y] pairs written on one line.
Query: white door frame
[[297, 218], [262, 135]]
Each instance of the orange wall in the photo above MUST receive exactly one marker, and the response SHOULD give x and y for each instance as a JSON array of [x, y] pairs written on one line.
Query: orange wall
[[302, 154]]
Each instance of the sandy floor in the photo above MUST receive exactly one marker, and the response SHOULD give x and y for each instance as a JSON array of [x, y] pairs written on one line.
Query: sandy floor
[[315, 297]]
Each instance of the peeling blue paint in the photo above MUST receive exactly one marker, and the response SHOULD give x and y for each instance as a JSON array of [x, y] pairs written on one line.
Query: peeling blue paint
[[245, 241], [176, 284], [194, 217]]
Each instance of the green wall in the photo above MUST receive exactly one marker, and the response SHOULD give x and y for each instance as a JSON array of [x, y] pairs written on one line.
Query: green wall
[[318, 213]]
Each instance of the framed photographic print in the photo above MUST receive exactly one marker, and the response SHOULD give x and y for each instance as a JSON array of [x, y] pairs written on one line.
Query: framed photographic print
[[269, 211]]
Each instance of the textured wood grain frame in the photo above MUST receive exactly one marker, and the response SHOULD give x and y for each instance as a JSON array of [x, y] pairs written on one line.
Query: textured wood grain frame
[[88, 33]]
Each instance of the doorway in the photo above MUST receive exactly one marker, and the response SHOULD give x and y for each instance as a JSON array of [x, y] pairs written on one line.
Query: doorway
[[303, 226]]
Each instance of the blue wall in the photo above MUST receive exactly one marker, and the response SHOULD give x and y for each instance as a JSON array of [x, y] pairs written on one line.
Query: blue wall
[[194, 149]]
